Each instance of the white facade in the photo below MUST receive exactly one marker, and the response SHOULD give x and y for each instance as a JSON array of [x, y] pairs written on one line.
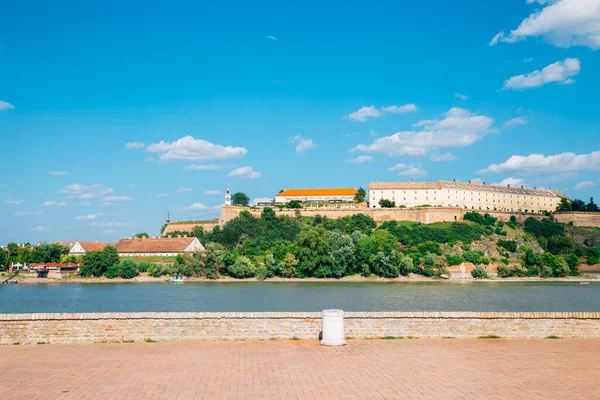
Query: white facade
[[193, 247], [464, 195], [77, 250]]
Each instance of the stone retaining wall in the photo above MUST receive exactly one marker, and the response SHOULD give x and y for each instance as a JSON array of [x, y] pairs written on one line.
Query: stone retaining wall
[[174, 327]]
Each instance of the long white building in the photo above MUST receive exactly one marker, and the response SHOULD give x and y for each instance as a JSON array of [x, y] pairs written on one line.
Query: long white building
[[467, 195]]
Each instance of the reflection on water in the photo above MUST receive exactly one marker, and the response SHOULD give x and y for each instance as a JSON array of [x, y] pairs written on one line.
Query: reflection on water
[[300, 296]]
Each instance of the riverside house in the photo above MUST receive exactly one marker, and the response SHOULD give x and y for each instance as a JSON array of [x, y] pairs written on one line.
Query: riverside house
[[158, 246]]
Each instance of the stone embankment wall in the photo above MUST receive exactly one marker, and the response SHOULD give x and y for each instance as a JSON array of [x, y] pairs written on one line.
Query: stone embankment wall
[[174, 327], [426, 215]]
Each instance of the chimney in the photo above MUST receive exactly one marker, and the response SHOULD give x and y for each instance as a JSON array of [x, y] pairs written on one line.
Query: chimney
[[483, 183], [508, 185], [521, 186], [454, 180], [469, 181], [535, 188]]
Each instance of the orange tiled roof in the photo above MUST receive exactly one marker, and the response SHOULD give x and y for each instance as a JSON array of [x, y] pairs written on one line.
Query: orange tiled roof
[[93, 246], [153, 245], [319, 192]]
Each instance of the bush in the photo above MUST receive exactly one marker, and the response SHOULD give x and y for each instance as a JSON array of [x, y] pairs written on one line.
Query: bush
[[127, 269], [593, 256], [505, 272], [499, 231], [144, 266], [454, 260], [475, 257], [479, 272], [544, 228], [509, 245], [157, 270], [241, 268]]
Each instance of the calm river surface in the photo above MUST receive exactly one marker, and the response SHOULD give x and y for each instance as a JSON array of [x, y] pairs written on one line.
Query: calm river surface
[[290, 296]]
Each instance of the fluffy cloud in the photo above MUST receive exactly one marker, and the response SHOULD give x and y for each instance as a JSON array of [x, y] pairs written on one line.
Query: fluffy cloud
[[562, 23], [400, 109], [559, 72], [542, 164], [203, 167], [85, 192], [459, 128], [514, 182], [245, 172], [585, 184], [6, 106], [515, 121], [58, 173], [366, 112], [361, 160], [188, 148], [528, 59], [15, 202], [184, 190], [407, 170], [302, 144], [134, 145], [195, 206], [54, 203], [213, 192], [116, 198], [461, 96], [439, 157], [39, 228], [89, 217], [271, 37]]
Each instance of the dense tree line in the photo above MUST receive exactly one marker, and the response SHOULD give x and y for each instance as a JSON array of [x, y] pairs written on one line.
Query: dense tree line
[[52, 252], [577, 205]]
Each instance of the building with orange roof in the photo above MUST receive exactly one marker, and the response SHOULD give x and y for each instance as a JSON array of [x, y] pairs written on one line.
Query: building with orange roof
[[80, 248], [158, 246], [327, 195]]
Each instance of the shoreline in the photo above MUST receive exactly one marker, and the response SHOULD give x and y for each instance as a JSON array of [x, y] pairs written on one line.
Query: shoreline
[[347, 279]]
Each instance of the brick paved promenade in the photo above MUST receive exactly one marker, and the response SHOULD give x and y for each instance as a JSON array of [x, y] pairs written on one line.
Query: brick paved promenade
[[364, 369]]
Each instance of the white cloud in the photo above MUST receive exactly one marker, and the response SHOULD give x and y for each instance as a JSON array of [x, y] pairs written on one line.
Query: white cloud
[[195, 206], [459, 128], [217, 207], [188, 148], [271, 37], [585, 184], [39, 228], [528, 59], [364, 113], [204, 167], [85, 192], [28, 213], [542, 164], [14, 202], [261, 200], [89, 217], [54, 203], [162, 195], [562, 23], [183, 190], [6, 106], [461, 96], [245, 172], [559, 72], [513, 182], [515, 121], [112, 224], [439, 157], [361, 160], [407, 170], [400, 109], [116, 198], [302, 144], [213, 192], [58, 173], [134, 145]]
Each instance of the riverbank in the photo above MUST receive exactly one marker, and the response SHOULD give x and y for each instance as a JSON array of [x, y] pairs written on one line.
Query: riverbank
[[347, 279]]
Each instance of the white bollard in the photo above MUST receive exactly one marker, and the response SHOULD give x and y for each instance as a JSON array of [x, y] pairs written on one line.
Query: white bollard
[[333, 328]]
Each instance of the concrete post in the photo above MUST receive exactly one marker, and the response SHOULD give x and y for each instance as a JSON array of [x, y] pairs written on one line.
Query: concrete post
[[333, 328]]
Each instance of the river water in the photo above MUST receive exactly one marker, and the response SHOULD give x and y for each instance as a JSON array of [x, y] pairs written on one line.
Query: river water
[[299, 296]]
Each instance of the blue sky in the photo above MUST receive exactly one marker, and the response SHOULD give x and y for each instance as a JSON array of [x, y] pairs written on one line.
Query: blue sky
[[271, 95]]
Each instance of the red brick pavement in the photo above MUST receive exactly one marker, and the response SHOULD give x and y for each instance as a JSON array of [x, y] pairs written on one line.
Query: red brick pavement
[[364, 369]]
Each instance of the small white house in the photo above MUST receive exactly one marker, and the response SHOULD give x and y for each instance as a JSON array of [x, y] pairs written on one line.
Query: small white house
[[80, 248], [158, 246]]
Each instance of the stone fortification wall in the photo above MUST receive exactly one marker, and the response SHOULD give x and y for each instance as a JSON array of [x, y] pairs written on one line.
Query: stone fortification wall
[[117, 327], [426, 215], [188, 226]]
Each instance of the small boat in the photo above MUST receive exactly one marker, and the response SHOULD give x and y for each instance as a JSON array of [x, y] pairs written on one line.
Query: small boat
[[177, 278], [584, 283]]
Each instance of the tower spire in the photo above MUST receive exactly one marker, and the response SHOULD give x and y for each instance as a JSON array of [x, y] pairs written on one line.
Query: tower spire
[[168, 217]]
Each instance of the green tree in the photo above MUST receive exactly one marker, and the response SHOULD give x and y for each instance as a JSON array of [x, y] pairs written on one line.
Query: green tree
[[385, 203], [241, 268], [360, 195], [591, 206], [96, 263], [3, 259], [564, 205], [48, 253], [240, 199], [293, 204], [141, 235], [479, 272], [288, 265], [578, 205]]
